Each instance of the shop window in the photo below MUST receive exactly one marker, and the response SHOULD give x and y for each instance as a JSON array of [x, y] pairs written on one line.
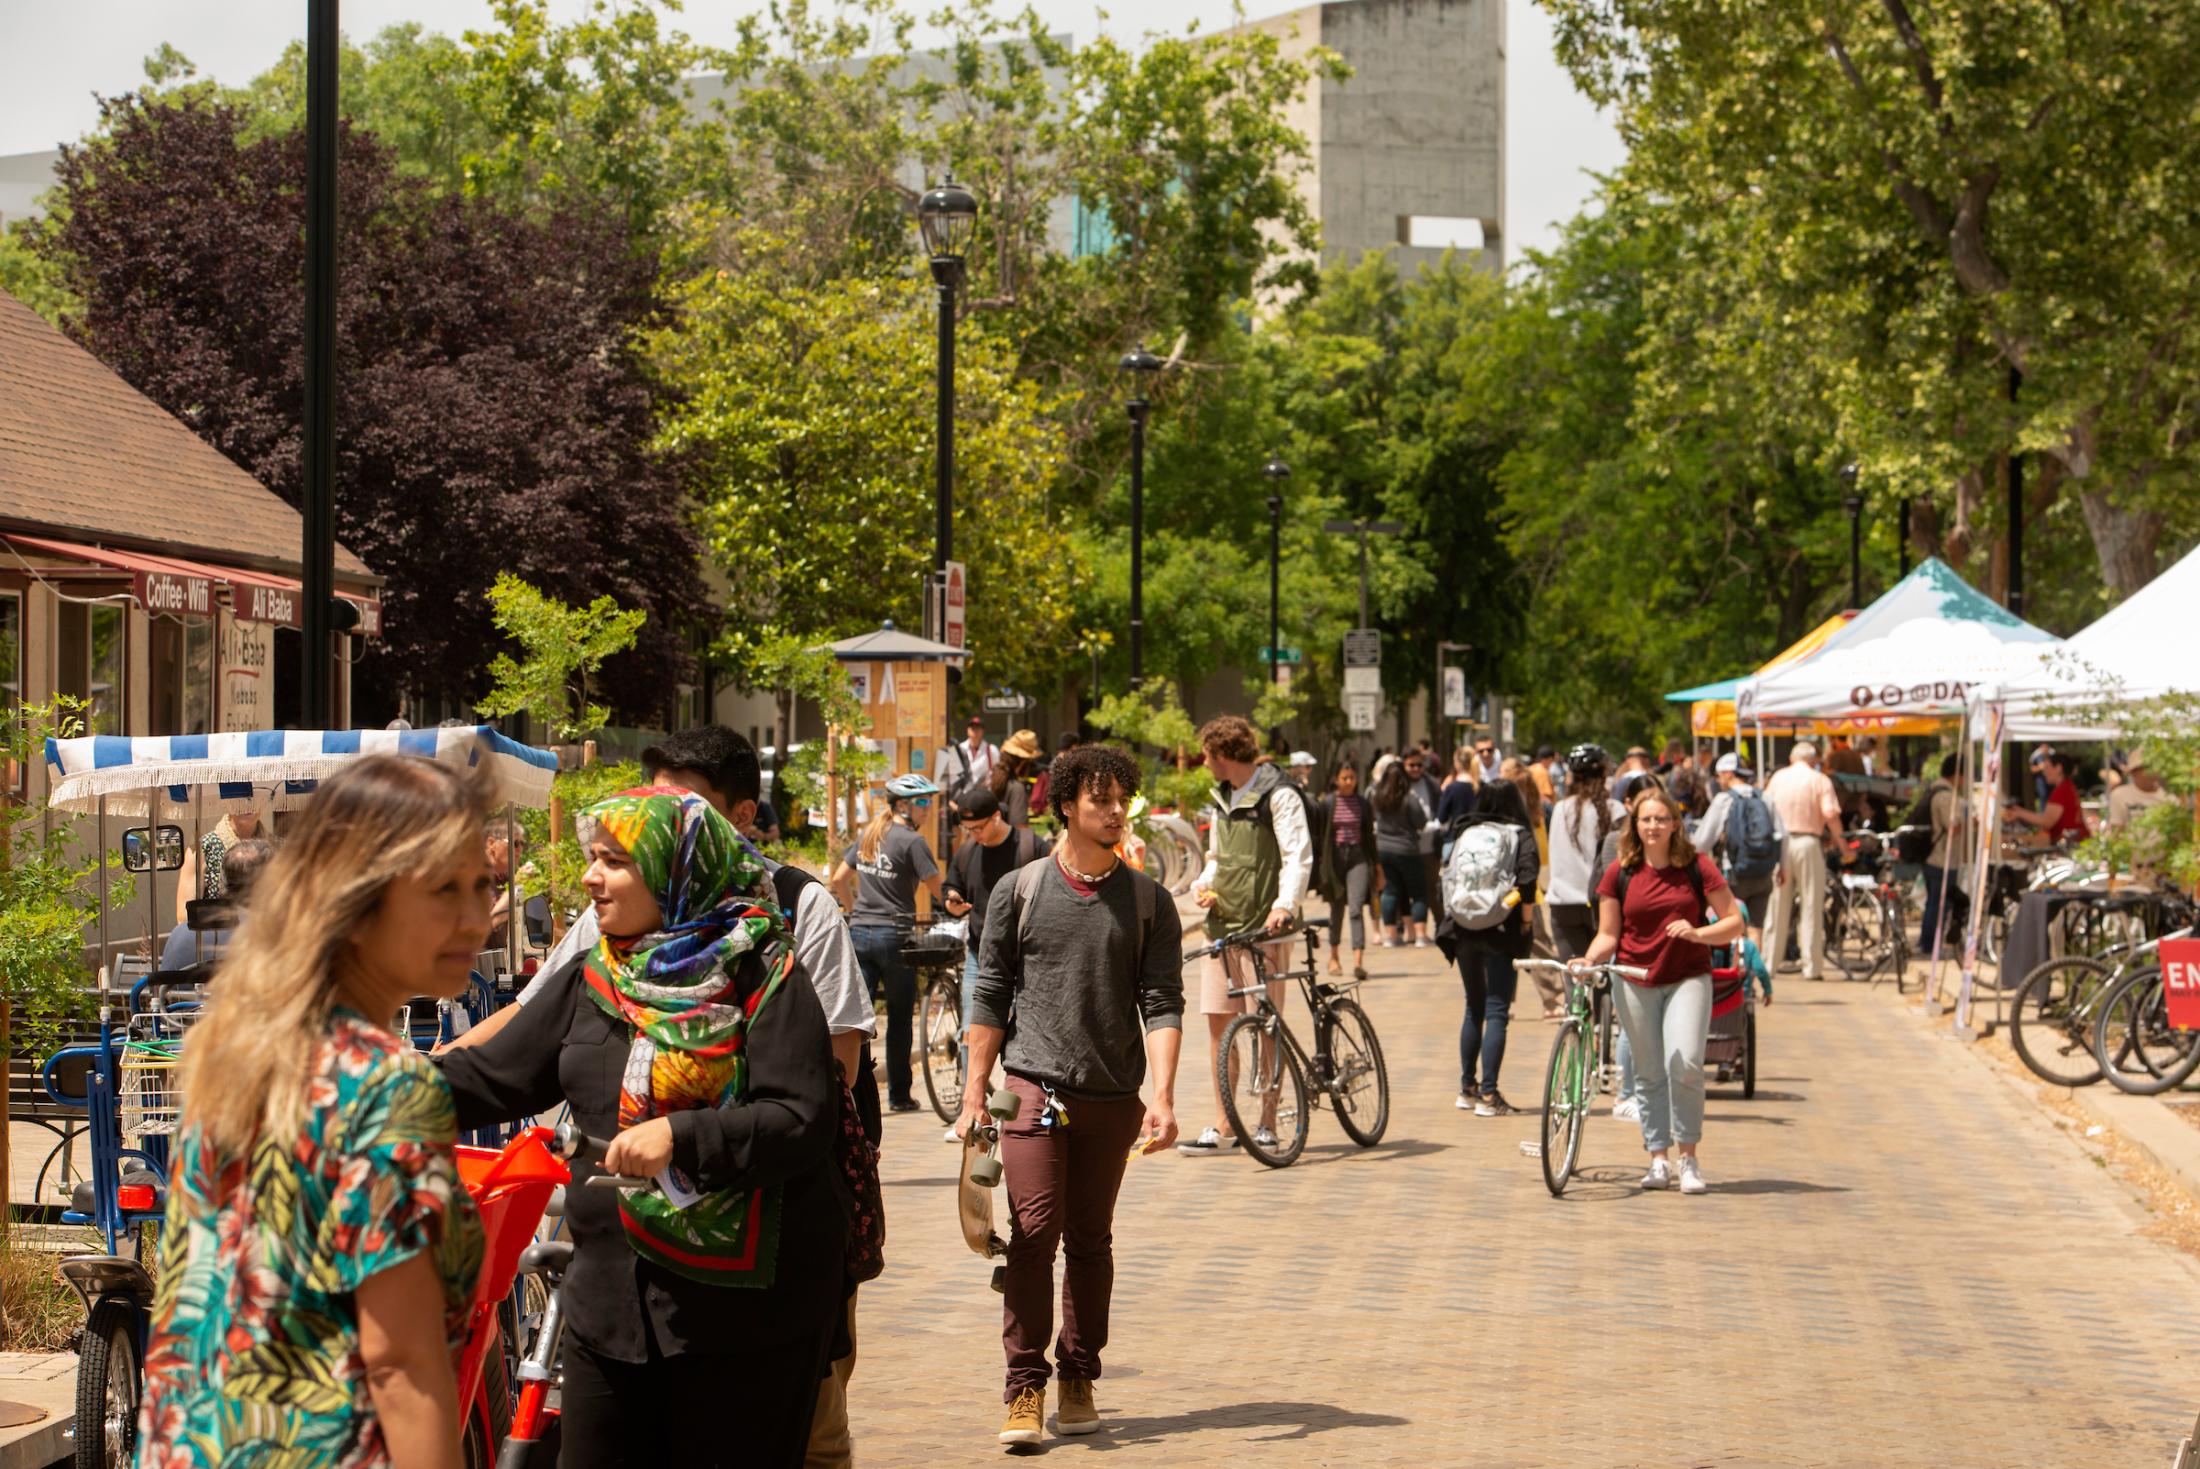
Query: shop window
[[93, 662], [11, 680], [182, 676]]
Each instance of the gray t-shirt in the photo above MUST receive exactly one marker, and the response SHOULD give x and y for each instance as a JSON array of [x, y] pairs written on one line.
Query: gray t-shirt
[[1078, 999], [886, 886]]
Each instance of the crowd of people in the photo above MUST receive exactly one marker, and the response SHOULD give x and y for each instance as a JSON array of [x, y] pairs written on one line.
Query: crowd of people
[[712, 1013]]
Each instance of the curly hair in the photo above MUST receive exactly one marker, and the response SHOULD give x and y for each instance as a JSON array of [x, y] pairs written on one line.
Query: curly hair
[[1231, 737], [1093, 768]]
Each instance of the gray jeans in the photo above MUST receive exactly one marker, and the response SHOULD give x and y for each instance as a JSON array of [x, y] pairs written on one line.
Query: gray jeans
[[1666, 1027], [1357, 884]]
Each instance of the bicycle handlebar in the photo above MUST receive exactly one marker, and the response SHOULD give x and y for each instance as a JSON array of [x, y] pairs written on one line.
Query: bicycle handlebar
[[1624, 971], [1250, 937]]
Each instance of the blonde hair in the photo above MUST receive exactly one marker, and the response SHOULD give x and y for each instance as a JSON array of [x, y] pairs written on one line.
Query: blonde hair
[[1680, 854], [883, 809], [385, 817]]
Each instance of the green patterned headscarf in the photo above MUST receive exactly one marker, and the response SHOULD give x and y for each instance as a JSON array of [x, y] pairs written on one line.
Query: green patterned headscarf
[[690, 992]]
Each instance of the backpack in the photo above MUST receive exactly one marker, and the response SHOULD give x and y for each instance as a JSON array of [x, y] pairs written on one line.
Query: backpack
[[1480, 873], [1751, 850]]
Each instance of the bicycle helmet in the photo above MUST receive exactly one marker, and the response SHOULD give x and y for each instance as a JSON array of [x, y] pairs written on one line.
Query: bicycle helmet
[[906, 787], [1588, 760]]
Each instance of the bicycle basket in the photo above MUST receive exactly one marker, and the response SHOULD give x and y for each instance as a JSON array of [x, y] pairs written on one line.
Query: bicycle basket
[[146, 1092]]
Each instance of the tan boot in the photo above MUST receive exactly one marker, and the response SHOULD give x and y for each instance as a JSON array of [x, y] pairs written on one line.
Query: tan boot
[[1026, 1417], [1074, 1411]]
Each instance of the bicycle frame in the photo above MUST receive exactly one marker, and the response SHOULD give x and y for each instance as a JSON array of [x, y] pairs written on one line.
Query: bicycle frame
[[1319, 1066]]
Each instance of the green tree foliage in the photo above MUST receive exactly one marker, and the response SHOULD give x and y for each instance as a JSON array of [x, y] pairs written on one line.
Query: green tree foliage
[[1896, 208], [807, 412], [561, 648]]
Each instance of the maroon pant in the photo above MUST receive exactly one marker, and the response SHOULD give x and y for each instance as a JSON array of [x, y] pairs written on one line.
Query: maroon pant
[[1061, 1190]]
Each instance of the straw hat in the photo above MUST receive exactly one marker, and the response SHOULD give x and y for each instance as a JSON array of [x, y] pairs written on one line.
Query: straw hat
[[1024, 745]]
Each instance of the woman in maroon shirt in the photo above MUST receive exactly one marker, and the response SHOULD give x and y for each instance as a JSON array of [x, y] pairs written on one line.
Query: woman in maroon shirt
[[1651, 909]]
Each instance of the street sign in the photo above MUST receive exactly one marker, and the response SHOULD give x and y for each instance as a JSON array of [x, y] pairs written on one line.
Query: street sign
[[955, 622], [1006, 701], [1505, 726], [1455, 693], [1363, 648], [1285, 655], [1283, 675], [1360, 711], [1363, 681]]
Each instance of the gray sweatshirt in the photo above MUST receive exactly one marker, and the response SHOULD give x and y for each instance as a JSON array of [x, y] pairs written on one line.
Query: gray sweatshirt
[[1078, 998]]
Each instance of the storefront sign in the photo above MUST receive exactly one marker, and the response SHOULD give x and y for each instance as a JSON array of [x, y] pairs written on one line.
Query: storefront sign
[[370, 614], [174, 594], [259, 602], [247, 675]]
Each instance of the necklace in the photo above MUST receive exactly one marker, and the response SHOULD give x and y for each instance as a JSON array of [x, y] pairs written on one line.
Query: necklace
[[1089, 879]]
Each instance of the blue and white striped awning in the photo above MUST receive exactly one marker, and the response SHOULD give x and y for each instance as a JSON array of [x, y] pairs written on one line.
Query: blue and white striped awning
[[276, 768]]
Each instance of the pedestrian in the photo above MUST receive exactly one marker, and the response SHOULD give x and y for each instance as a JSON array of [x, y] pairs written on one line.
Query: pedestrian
[[1260, 860], [1810, 813], [1633, 769], [1350, 870], [1080, 996], [1652, 904], [1944, 812], [185, 945], [1421, 772], [885, 866], [1549, 776], [1683, 779], [1401, 820], [2062, 815], [1844, 764], [1743, 833], [1302, 767], [1486, 956], [1070, 740], [205, 867], [320, 1254], [969, 764], [506, 845], [1485, 750], [695, 1326], [990, 853], [1580, 823], [1014, 776]]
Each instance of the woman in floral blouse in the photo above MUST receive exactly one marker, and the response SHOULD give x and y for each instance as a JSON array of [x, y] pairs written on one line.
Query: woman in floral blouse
[[321, 1252]]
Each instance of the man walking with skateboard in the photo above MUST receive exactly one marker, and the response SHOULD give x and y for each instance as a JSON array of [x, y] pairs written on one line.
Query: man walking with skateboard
[[1259, 861], [1078, 994]]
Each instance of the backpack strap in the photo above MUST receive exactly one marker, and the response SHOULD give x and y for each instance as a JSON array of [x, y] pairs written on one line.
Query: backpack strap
[[1144, 892]]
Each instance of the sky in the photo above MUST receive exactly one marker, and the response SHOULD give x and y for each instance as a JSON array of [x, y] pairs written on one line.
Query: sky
[[55, 57]]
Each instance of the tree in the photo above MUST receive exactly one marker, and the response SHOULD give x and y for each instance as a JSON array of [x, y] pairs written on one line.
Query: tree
[[491, 413], [561, 647], [1957, 222]]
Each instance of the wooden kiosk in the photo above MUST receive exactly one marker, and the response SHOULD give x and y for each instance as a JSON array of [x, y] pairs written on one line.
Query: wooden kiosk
[[902, 681]]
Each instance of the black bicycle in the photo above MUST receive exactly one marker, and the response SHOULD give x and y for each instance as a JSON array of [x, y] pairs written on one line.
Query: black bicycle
[[1263, 1072]]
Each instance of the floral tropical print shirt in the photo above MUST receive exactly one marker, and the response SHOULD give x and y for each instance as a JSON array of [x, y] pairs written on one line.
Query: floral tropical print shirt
[[254, 1356]]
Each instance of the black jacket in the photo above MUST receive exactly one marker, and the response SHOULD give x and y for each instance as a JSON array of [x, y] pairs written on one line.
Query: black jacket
[[562, 1046], [1328, 875], [1464, 806]]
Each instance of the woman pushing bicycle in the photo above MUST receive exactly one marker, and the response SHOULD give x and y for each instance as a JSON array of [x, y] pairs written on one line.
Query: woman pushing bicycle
[[1650, 911]]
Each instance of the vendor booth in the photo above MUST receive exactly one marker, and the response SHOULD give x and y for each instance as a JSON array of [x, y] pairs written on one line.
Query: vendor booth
[[1711, 713]]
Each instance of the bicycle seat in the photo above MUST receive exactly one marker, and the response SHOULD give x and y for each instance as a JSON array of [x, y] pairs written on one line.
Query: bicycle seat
[[547, 1257], [83, 1201]]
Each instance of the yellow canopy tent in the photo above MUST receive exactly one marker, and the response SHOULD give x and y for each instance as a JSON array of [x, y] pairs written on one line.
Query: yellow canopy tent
[[1711, 706]]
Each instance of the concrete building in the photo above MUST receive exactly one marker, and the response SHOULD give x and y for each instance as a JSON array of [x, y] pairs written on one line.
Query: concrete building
[[1409, 151], [23, 177]]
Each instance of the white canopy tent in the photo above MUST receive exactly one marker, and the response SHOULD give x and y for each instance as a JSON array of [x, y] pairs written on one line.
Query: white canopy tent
[[1918, 651], [2147, 647]]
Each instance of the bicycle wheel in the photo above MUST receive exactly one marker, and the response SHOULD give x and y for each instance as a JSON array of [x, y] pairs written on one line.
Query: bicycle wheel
[[1749, 1052], [1361, 1094], [1566, 1099], [2137, 1048], [2051, 1020], [1256, 1073], [939, 1040], [110, 1383]]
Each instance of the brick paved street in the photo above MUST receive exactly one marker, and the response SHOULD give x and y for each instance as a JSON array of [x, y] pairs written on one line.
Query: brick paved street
[[1901, 1262]]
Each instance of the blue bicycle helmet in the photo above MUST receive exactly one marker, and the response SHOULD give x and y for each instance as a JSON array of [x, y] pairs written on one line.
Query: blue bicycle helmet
[[907, 787]]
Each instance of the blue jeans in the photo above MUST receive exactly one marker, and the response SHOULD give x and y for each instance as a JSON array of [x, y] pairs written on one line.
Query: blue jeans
[[1929, 924], [878, 954], [1491, 982], [1667, 1026], [1403, 887]]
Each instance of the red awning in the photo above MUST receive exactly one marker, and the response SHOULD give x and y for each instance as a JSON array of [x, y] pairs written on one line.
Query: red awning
[[174, 587]]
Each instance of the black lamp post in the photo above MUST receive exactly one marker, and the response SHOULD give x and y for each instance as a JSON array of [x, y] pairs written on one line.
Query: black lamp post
[[317, 560], [946, 217], [1853, 503], [1139, 364], [1276, 472]]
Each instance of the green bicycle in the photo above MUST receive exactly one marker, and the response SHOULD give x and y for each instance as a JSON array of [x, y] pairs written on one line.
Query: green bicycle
[[1581, 1062]]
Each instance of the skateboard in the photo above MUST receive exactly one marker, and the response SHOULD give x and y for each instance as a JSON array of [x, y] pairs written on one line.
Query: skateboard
[[980, 1176]]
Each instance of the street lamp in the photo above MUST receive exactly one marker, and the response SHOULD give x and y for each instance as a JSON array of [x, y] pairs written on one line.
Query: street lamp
[[1138, 364], [946, 217], [1853, 503], [1276, 472]]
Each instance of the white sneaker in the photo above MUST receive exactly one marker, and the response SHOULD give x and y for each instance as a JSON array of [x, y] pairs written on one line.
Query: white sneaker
[[1265, 1138], [1463, 1102], [1210, 1140], [1420, 943], [1390, 943], [1627, 1109], [1660, 1175], [1692, 1176], [950, 1136]]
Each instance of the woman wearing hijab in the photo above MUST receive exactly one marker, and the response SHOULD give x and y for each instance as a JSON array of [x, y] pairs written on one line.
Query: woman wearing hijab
[[699, 1308]]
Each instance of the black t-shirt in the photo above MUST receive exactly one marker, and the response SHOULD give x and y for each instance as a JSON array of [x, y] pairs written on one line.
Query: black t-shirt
[[977, 869], [766, 818]]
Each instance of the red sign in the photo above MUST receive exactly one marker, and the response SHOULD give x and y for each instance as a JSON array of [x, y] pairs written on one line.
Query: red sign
[[174, 594], [2181, 982], [955, 621], [370, 614], [256, 601]]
